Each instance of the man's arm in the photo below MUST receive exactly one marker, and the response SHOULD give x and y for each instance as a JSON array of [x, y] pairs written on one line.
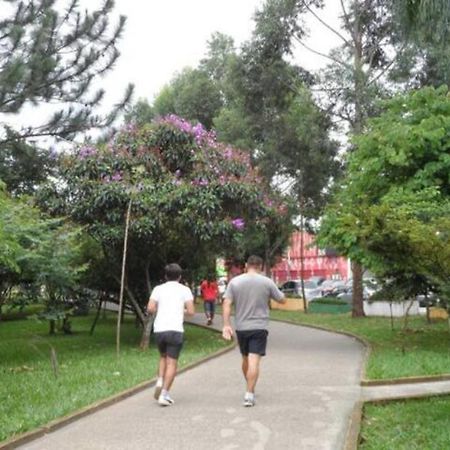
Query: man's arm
[[227, 330], [152, 306], [277, 295], [190, 308]]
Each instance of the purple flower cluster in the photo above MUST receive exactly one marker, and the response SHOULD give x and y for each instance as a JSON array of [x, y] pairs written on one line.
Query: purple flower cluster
[[116, 176], [200, 182], [238, 223], [200, 133], [86, 152], [228, 153], [177, 122]]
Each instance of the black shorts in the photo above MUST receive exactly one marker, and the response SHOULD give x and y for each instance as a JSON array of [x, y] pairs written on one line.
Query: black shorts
[[169, 343], [252, 341]]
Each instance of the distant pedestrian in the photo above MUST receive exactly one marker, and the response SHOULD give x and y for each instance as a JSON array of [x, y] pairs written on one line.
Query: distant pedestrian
[[250, 294], [170, 301], [210, 291]]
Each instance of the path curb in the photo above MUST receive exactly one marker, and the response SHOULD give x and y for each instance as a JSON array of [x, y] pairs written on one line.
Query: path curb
[[55, 424], [354, 431], [354, 427], [406, 380]]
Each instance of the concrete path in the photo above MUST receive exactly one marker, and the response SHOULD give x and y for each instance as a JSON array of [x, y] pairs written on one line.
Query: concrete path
[[308, 386]]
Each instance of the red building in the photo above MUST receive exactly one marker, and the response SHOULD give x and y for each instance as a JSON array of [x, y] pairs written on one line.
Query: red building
[[317, 262]]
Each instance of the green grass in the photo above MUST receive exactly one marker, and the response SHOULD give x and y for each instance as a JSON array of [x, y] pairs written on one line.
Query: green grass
[[407, 425], [329, 306], [423, 350], [31, 395], [19, 314]]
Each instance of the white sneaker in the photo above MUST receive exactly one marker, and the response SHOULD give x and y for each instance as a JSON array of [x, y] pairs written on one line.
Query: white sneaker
[[165, 400], [157, 392], [249, 402]]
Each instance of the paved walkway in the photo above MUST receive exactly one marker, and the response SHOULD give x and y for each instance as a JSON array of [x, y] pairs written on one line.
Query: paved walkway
[[307, 389]]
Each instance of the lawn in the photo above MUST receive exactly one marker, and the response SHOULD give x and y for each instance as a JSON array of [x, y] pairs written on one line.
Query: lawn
[[407, 425], [30, 393], [422, 350]]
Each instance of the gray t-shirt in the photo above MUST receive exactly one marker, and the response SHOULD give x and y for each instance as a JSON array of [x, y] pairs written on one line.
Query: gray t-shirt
[[250, 293]]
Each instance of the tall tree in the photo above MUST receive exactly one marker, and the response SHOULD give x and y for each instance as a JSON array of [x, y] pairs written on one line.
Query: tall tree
[[192, 94], [272, 110]]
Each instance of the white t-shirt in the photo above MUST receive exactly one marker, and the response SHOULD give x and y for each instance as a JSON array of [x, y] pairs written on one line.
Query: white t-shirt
[[171, 298]]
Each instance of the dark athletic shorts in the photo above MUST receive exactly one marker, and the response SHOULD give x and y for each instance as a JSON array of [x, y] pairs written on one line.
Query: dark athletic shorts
[[169, 343], [252, 341]]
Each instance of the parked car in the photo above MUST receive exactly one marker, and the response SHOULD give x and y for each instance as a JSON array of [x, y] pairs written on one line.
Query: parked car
[[431, 299], [331, 288], [317, 280], [294, 287], [347, 296]]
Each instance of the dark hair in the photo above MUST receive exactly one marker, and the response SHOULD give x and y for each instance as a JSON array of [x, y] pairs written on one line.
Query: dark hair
[[255, 261], [173, 271]]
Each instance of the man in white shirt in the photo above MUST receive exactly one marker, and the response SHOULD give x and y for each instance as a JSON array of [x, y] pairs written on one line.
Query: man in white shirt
[[169, 301]]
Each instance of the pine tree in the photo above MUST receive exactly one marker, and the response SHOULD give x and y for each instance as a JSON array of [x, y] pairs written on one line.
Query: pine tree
[[53, 57]]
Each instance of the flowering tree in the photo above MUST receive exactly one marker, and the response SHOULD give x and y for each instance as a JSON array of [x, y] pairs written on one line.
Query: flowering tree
[[191, 197]]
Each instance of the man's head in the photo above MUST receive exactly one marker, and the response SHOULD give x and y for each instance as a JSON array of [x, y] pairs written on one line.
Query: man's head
[[255, 263], [173, 272]]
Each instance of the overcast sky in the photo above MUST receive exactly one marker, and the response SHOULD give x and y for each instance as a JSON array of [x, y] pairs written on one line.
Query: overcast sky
[[163, 36]]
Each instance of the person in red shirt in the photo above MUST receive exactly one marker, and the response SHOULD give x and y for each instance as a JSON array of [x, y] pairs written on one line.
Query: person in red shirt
[[209, 291]]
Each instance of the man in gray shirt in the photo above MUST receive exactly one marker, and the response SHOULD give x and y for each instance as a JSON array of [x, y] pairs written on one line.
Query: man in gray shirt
[[250, 293]]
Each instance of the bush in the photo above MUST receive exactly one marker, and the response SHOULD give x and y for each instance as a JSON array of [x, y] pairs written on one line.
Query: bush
[[329, 301]]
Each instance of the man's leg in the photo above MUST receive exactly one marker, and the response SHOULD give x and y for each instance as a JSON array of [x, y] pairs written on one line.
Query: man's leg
[[252, 371], [170, 372], [208, 312], [213, 309], [175, 343], [162, 366], [245, 366]]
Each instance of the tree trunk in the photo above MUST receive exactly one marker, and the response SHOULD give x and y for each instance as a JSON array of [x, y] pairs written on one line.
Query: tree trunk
[[97, 315], [267, 270], [392, 317], [405, 324], [302, 263], [148, 326], [52, 324], [134, 303], [147, 279], [357, 296]]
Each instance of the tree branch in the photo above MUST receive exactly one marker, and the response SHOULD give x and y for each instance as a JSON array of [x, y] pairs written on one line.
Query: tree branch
[[347, 20], [337, 61], [388, 66], [325, 24]]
